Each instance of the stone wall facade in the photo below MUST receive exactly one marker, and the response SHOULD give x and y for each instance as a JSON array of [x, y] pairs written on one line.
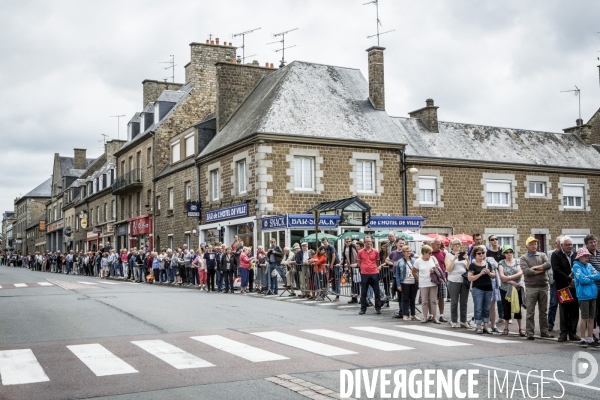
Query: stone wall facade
[[152, 90], [461, 205]]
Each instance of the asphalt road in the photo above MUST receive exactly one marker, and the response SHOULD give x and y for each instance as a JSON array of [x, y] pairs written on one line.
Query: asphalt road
[[71, 337]]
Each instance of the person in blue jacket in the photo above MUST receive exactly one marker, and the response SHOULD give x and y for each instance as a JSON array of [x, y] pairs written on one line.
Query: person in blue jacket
[[585, 277]]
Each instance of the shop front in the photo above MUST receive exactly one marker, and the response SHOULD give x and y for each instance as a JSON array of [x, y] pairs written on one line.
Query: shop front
[[121, 232], [223, 224], [108, 235], [54, 236], [288, 229], [93, 239], [140, 231]]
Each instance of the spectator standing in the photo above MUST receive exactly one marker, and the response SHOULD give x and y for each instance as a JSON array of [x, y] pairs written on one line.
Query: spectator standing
[[349, 262], [591, 244], [228, 265], [535, 266], [425, 266], [456, 265], [368, 259], [406, 275], [211, 264], [562, 268], [303, 263], [480, 276], [442, 294], [553, 296], [510, 274], [586, 278]]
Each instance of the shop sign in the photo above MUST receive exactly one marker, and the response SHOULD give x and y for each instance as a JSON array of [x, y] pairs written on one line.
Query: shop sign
[[83, 223], [193, 209], [308, 221], [241, 210], [273, 223], [110, 228], [91, 234], [122, 230], [97, 229], [68, 231], [42, 225], [56, 225], [383, 222], [139, 227]]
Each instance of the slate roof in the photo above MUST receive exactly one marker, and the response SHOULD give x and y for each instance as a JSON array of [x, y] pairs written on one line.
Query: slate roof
[[8, 214], [489, 143], [337, 107], [66, 164], [170, 169], [43, 190], [135, 118], [186, 89], [171, 96]]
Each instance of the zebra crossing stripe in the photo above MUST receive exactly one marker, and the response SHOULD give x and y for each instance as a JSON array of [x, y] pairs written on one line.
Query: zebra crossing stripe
[[100, 360], [45, 284], [250, 353], [0, 287], [110, 283], [303, 344], [481, 338], [20, 285], [362, 341], [20, 366], [410, 336], [88, 283], [172, 355]]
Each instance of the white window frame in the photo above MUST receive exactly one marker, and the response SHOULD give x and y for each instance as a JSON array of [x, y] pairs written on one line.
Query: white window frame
[[361, 174], [189, 145], [214, 184], [175, 145], [303, 160], [170, 198], [537, 194], [241, 176], [506, 239], [92, 216], [170, 241], [508, 194], [188, 191], [158, 203], [113, 208], [577, 241], [566, 199], [105, 212], [422, 190], [98, 214]]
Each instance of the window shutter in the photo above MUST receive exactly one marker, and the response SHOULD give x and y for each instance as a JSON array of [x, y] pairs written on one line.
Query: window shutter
[[573, 190], [502, 187], [427, 183]]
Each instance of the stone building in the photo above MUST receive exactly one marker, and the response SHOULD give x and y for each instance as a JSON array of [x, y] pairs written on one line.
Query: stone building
[[65, 171], [169, 110], [317, 137], [36, 235], [8, 218], [27, 209]]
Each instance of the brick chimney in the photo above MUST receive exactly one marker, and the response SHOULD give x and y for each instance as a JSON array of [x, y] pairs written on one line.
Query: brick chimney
[[234, 83], [376, 80], [589, 133], [79, 161], [428, 115]]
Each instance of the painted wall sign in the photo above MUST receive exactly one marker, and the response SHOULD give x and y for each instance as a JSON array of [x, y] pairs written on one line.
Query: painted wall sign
[[273, 223], [240, 210]]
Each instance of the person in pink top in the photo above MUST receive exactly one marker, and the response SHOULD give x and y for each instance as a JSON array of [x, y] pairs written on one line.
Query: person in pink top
[[368, 262], [442, 293], [245, 261], [124, 263]]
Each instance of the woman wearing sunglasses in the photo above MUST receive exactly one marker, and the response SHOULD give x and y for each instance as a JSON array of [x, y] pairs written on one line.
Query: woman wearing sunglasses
[[510, 274], [481, 275]]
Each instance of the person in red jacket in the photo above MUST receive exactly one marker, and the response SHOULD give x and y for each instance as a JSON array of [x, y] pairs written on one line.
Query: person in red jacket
[[319, 263]]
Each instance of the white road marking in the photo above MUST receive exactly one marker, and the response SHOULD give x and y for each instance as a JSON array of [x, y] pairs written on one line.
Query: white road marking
[[172, 355], [327, 304], [310, 301], [45, 284], [482, 338], [100, 360], [250, 353], [20, 366], [295, 299], [0, 287], [410, 336], [348, 306], [88, 283], [362, 341], [538, 376], [303, 344], [109, 283], [20, 285]]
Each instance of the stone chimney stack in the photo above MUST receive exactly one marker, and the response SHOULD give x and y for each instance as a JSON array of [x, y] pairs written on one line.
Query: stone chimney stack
[[428, 115], [79, 161], [376, 80], [589, 133], [111, 147]]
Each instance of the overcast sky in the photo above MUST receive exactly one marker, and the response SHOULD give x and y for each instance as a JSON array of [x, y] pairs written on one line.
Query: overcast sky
[[66, 66]]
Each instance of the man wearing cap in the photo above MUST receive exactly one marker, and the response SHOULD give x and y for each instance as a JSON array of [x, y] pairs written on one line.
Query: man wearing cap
[[303, 267], [562, 266], [535, 266], [288, 262]]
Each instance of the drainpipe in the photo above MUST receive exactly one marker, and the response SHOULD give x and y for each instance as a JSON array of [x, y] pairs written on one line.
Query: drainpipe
[[199, 202], [403, 176], [153, 191]]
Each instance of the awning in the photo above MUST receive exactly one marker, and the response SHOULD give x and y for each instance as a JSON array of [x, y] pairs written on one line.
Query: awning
[[349, 204]]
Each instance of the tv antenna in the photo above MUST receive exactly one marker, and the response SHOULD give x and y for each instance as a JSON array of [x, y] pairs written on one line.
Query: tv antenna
[[282, 41], [104, 138], [171, 66], [243, 35], [118, 117], [376, 2], [578, 94]]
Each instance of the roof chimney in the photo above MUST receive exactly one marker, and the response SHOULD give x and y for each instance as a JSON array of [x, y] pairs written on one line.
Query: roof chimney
[[376, 80], [428, 115], [79, 161]]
